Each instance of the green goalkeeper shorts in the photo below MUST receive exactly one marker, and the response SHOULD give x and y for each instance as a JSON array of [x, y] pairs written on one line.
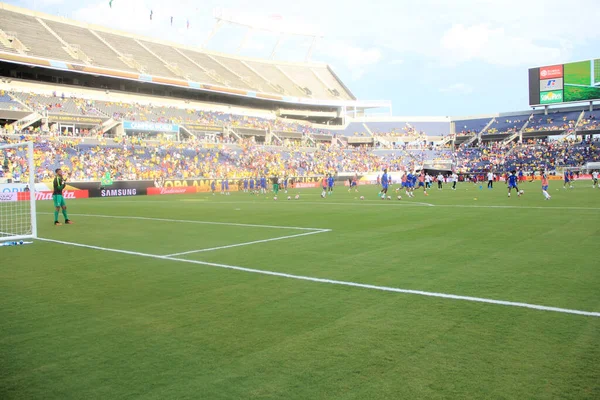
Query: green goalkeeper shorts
[[59, 200]]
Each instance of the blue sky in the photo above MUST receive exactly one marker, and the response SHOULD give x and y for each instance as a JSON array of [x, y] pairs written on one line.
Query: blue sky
[[429, 57]]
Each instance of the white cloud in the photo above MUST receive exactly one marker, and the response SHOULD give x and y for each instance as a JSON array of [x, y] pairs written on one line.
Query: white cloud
[[357, 60], [495, 46], [461, 88], [396, 62]]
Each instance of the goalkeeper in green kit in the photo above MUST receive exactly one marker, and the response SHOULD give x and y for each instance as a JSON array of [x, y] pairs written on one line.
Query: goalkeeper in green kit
[[59, 185]]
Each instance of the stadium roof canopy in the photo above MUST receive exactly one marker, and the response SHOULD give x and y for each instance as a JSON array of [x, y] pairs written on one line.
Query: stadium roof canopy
[[37, 39]]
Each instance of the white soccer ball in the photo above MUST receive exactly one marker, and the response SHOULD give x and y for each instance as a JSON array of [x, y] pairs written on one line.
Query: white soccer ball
[[389, 197], [521, 191], [362, 197], [399, 197], [297, 196], [275, 198], [289, 197], [323, 195]]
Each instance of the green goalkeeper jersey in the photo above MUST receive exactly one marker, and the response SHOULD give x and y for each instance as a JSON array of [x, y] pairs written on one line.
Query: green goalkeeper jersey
[[59, 185]]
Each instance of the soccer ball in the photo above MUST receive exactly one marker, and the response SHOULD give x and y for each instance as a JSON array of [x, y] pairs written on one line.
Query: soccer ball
[[389, 197], [297, 196], [323, 195], [362, 197], [521, 191], [289, 197], [275, 198], [399, 197]]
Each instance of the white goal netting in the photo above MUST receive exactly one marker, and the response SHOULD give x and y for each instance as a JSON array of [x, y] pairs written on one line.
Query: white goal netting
[[17, 192]]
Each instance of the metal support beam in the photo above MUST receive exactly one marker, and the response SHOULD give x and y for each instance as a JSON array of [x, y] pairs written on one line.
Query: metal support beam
[[247, 35], [311, 49], [276, 47], [213, 32]]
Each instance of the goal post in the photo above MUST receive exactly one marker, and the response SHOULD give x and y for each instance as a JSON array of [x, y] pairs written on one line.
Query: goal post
[[17, 192]]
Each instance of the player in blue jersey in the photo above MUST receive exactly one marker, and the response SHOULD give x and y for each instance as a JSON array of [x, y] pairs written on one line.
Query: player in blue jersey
[[251, 185], [213, 187], [222, 186], [330, 183], [226, 184], [567, 180], [513, 183], [384, 184], [245, 185], [263, 185]]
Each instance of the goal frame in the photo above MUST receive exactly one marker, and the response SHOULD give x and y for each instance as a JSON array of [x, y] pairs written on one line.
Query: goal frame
[[32, 190]]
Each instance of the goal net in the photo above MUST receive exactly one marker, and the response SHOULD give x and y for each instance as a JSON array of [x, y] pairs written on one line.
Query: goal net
[[17, 192]]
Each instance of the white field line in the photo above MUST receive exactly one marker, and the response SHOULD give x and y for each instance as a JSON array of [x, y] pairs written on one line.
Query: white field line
[[248, 243], [341, 283], [194, 222]]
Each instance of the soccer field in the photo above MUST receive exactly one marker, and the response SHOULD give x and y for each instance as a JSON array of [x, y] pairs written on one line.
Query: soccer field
[[244, 297]]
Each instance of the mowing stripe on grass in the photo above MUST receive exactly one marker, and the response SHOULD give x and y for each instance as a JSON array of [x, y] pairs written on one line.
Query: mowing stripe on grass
[[336, 282], [248, 243], [185, 221]]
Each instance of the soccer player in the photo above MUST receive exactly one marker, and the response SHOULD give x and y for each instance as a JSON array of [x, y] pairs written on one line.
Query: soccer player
[[440, 181], [427, 181], [213, 186], [595, 180], [354, 183], [222, 186], [263, 185], [59, 185], [572, 178], [330, 183], [421, 184], [378, 180], [276, 185], [454, 180], [384, 184], [545, 185], [245, 185], [226, 186], [512, 182], [251, 185], [285, 184], [567, 180], [490, 176]]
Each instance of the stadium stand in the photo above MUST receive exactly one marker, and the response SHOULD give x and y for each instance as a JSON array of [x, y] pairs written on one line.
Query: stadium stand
[[553, 122], [471, 126], [58, 39], [590, 121]]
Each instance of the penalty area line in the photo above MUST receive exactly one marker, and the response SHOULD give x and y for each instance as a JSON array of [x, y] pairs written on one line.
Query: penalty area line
[[248, 243], [337, 282]]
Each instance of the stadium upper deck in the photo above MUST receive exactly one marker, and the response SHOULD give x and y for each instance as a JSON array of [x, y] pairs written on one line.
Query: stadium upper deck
[[32, 38]]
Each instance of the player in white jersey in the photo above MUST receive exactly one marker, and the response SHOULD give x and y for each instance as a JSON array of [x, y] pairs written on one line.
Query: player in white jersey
[[595, 180], [454, 180], [490, 176], [440, 181]]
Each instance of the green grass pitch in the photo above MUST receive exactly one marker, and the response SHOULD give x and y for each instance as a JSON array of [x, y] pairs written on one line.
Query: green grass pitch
[[89, 323], [579, 73]]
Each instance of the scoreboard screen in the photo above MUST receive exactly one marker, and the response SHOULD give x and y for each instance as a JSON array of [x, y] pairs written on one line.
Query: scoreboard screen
[[565, 83]]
